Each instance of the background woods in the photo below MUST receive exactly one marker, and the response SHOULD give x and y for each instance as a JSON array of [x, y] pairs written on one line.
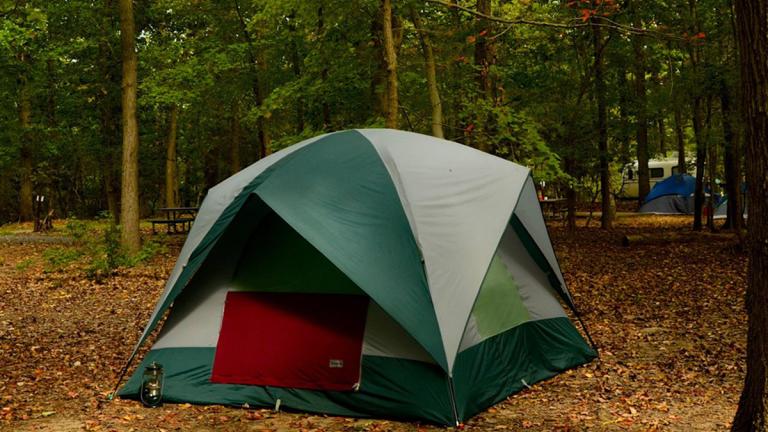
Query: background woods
[[572, 89]]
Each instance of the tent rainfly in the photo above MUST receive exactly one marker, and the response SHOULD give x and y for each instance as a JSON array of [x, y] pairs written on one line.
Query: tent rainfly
[[365, 273], [673, 195]]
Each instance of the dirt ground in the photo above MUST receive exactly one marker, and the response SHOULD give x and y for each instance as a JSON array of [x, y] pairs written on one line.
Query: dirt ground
[[668, 319]]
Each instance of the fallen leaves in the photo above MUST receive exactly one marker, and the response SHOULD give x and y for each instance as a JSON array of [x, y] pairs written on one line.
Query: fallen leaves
[[668, 319]]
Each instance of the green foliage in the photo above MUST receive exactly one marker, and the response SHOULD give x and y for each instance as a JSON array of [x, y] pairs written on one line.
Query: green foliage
[[249, 75], [77, 229], [56, 258], [24, 265]]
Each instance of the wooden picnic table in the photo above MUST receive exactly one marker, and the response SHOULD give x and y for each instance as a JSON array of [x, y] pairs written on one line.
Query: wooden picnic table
[[178, 220], [554, 208]]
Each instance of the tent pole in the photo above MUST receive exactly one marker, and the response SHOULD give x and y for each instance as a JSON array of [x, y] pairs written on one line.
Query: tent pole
[[452, 394], [121, 376], [586, 331]]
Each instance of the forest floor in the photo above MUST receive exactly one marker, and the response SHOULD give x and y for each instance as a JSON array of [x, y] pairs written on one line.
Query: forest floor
[[668, 319]]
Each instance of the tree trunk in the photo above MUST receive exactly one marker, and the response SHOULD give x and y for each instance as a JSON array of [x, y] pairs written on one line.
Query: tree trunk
[[171, 172], [701, 146], [662, 135], [431, 72], [259, 89], [711, 167], [129, 208], [391, 58], [752, 30], [108, 111], [701, 155], [570, 194], [732, 162], [296, 65], [262, 124], [607, 210], [643, 177], [235, 138], [680, 141], [26, 165], [483, 50], [323, 73]]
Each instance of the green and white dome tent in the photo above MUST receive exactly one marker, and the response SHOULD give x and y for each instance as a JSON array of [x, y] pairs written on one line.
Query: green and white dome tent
[[365, 272]]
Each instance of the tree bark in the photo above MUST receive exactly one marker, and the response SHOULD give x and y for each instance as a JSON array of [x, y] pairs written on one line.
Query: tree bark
[[662, 135], [483, 54], [701, 156], [752, 31], [129, 208], [680, 141], [641, 116], [711, 167], [607, 210], [26, 165], [296, 65], [326, 108], [258, 87], [701, 146], [171, 172], [391, 58], [732, 162], [235, 139], [108, 111], [431, 73], [570, 194]]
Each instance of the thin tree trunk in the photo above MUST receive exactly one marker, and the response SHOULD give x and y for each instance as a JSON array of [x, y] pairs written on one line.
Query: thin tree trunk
[[171, 171], [711, 167], [235, 139], [258, 87], [431, 73], [129, 208], [483, 50], [680, 141], [732, 162], [701, 155], [326, 109], [643, 177], [25, 114], [570, 194], [701, 146], [624, 108], [108, 112], [662, 135], [296, 66], [391, 59], [607, 209], [752, 31]]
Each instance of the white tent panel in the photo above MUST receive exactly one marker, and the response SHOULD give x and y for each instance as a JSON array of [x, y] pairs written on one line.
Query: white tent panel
[[531, 283], [528, 210], [459, 201]]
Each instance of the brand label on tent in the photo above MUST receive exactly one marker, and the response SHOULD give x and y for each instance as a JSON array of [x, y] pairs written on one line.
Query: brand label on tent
[[335, 363]]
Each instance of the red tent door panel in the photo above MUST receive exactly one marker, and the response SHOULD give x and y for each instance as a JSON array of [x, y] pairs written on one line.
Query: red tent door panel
[[309, 341]]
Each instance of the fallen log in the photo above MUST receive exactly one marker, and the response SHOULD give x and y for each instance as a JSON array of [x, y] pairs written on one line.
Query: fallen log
[[675, 237]]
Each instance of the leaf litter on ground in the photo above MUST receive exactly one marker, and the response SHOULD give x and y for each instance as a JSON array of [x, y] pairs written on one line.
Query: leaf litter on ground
[[668, 319]]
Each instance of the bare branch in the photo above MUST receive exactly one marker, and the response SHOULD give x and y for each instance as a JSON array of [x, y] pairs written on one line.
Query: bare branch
[[576, 22]]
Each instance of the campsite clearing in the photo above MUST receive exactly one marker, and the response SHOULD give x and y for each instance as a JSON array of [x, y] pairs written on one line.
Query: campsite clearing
[[668, 319]]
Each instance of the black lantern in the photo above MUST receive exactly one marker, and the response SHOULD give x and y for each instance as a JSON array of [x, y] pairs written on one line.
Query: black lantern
[[151, 393]]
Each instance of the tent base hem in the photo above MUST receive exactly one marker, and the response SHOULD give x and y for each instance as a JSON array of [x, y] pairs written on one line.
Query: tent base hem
[[390, 387]]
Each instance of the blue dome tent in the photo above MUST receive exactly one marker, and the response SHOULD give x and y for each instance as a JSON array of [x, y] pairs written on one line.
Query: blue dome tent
[[673, 195]]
